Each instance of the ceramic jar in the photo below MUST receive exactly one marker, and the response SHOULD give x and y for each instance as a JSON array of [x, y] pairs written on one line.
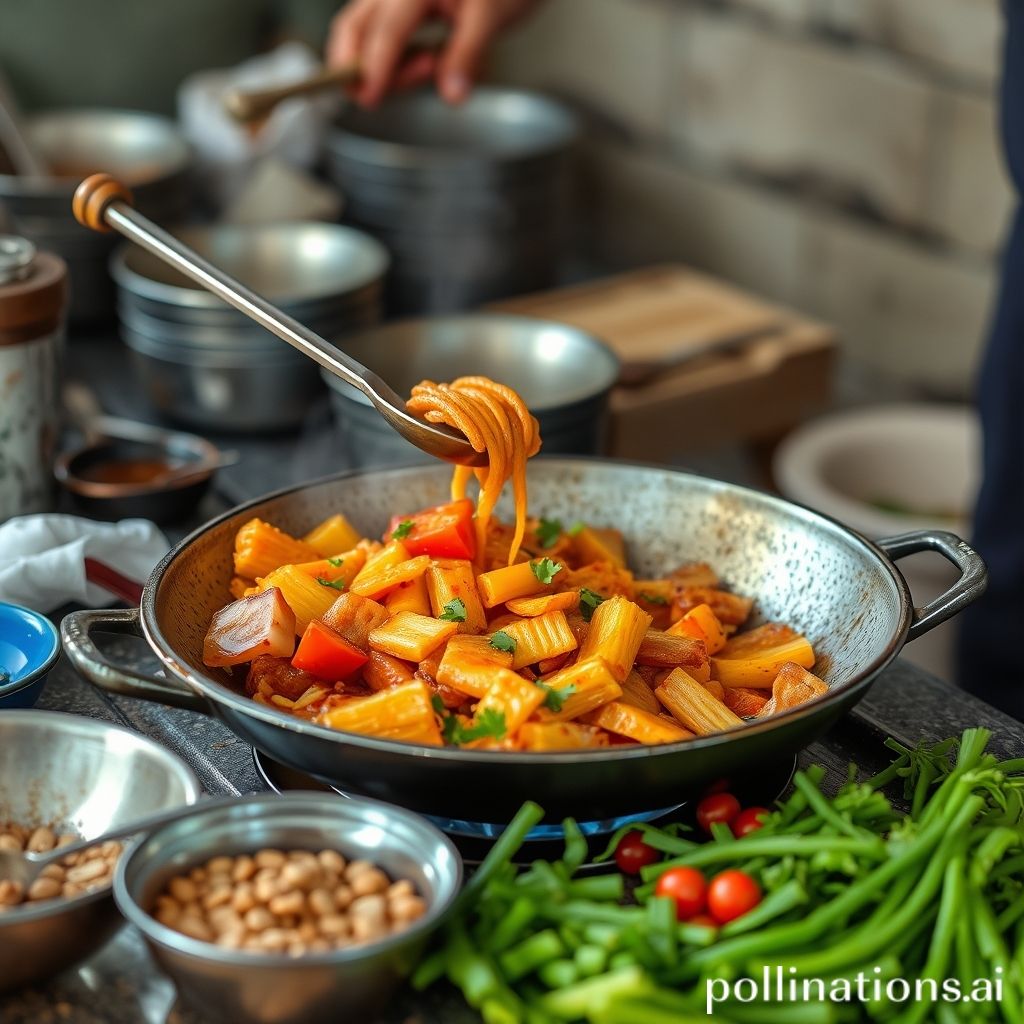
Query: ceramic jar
[[33, 299]]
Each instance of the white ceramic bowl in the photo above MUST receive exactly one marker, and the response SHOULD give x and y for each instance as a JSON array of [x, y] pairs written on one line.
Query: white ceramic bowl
[[887, 469]]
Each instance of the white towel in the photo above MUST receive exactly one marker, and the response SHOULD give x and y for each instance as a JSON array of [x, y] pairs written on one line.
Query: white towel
[[42, 558]]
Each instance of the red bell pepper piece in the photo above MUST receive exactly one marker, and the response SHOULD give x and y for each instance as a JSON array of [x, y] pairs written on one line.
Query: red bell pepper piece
[[444, 531], [325, 654]]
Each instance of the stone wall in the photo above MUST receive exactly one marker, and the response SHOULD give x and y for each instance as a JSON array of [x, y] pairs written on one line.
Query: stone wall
[[839, 155]]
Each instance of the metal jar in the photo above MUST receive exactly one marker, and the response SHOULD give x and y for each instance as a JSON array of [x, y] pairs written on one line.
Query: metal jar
[[205, 364], [33, 296], [143, 150], [471, 201], [564, 374]]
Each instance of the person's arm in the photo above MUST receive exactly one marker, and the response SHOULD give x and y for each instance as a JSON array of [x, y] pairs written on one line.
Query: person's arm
[[374, 33]]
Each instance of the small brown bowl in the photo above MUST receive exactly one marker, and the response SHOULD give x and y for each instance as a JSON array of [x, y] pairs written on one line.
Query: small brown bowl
[[108, 479]]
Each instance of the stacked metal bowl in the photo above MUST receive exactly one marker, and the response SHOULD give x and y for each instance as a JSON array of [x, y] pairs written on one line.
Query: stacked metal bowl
[[205, 364], [470, 200], [143, 150]]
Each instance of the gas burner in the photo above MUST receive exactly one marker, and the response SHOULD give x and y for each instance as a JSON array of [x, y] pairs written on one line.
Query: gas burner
[[474, 839]]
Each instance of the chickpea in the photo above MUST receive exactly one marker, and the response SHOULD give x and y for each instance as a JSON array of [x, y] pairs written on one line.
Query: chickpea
[[321, 902], [244, 869], [220, 865], [183, 890], [195, 928], [217, 897], [407, 908], [331, 860], [356, 867], [259, 919], [9, 842], [44, 889], [403, 887], [334, 926], [370, 881], [270, 859], [287, 903], [41, 840], [242, 898]]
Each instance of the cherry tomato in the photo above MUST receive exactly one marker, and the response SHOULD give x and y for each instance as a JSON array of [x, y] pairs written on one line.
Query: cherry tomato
[[720, 807], [324, 653], [688, 887], [633, 853], [731, 894], [705, 920], [444, 531], [750, 819]]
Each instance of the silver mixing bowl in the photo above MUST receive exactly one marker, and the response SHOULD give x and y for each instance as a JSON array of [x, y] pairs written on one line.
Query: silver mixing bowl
[[205, 364], [143, 150], [563, 373], [84, 776], [252, 988]]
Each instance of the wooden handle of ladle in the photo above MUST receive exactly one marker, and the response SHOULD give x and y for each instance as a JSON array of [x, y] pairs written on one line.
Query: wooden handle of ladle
[[254, 104]]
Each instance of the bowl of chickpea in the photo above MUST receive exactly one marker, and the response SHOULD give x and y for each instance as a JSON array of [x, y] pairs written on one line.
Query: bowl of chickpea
[[65, 777], [299, 907]]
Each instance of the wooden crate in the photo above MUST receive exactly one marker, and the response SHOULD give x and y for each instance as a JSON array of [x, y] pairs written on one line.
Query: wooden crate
[[717, 364]]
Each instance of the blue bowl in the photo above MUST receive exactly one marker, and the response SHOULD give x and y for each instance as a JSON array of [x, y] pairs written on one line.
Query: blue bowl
[[29, 648]]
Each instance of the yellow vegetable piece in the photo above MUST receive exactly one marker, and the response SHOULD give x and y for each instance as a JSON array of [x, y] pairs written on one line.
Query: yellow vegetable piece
[[636, 724], [702, 624], [340, 569], [600, 545], [261, 548], [592, 684], [308, 597], [411, 636], [568, 600], [401, 713], [469, 664], [505, 584], [453, 579], [382, 576], [759, 668], [410, 596], [512, 696], [690, 704], [635, 691], [616, 631], [333, 535], [543, 636], [542, 736]]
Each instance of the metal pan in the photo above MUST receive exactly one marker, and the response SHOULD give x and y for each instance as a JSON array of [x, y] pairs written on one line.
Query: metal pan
[[842, 590]]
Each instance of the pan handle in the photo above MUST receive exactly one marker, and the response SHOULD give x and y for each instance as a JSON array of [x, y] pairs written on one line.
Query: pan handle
[[970, 586], [76, 632]]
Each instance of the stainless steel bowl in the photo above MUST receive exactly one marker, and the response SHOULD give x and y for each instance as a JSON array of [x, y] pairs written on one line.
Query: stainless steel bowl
[[144, 150], [563, 373], [471, 201], [205, 364], [296, 266], [86, 776], [346, 984]]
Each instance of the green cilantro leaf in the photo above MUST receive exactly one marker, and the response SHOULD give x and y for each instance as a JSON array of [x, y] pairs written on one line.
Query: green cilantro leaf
[[454, 611], [577, 528], [501, 641], [402, 530], [490, 723], [548, 531], [554, 699], [437, 704], [653, 598], [333, 584], [336, 562], [545, 570], [589, 600]]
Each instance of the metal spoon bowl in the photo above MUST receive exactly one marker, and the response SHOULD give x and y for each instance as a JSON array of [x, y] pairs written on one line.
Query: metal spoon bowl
[[104, 204]]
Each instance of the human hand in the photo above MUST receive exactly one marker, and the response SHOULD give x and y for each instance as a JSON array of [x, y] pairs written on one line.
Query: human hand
[[374, 34]]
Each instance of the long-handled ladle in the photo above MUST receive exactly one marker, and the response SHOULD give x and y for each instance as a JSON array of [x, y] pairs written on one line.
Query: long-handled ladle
[[104, 204]]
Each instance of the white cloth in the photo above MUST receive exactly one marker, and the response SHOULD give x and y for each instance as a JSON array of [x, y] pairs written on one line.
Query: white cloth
[[42, 558], [225, 150]]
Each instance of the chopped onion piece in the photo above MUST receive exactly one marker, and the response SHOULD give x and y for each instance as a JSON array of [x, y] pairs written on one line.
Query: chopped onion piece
[[245, 629]]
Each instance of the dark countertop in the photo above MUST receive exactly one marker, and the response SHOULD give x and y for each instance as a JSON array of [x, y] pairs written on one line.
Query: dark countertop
[[119, 985]]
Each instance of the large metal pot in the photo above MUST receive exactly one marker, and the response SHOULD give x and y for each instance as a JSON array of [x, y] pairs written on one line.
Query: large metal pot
[[842, 590], [470, 200], [143, 150]]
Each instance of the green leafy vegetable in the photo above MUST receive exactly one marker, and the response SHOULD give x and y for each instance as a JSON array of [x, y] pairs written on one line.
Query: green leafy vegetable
[[548, 531], [454, 611], [853, 886], [490, 724], [545, 570], [577, 528], [336, 562], [653, 598], [554, 699], [501, 641], [333, 584], [402, 530], [589, 600]]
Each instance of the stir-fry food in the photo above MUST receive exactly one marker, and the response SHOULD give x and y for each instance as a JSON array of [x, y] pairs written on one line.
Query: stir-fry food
[[429, 635], [457, 629]]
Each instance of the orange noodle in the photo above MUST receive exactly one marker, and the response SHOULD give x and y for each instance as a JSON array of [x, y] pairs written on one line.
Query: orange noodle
[[495, 420]]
